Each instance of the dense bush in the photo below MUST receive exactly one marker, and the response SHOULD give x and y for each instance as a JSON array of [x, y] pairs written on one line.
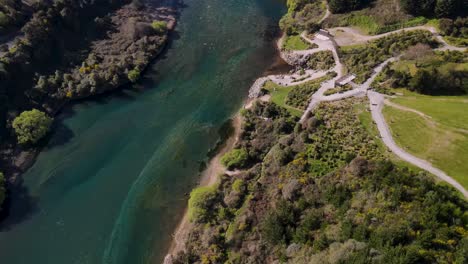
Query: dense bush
[[200, 203], [302, 15], [299, 95], [159, 26], [432, 73], [454, 28], [322, 60], [342, 6], [31, 126], [236, 158], [439, 8]]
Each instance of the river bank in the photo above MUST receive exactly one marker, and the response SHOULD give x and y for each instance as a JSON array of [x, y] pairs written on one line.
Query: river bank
[[214, 169], [209, 178], [16, 159], [138, 153]]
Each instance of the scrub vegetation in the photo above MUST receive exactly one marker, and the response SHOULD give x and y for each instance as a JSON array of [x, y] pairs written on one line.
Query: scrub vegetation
[[302, 15], [362, 59], [323, 193], [423, 71]]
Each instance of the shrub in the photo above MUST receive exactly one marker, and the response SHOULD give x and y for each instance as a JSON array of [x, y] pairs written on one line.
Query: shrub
[[159, 26], [134, 75], [31, 126], [200, 202], [238, 185], [236, 158], [4, 20]]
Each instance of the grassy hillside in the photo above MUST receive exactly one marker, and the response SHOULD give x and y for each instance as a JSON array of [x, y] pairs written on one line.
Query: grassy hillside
[[441, 136]]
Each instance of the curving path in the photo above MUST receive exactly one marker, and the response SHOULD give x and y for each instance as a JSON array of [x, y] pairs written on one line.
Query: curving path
[[292, 57], [345, 36], [377, 101]]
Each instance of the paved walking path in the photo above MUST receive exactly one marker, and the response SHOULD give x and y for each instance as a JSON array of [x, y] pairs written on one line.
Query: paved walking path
[[376, 99], [346, 36], [376, 106]]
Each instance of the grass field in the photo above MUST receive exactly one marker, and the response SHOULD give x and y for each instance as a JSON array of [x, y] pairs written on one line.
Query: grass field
[[278, 96], [442, 145], [295, 42], [365, 118], [450, 111]]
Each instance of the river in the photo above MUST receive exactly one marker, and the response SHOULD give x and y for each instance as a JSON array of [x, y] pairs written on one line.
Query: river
[[110, 185]]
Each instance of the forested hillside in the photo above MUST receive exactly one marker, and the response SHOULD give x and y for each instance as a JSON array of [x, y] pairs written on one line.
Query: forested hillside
[[53, 52]]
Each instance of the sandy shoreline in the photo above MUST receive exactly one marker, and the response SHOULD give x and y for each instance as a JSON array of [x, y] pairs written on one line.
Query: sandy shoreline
[[209, 178]]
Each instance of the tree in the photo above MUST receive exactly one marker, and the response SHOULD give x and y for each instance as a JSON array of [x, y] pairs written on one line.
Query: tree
[[31, 126], [445, 8], [446, 26], [236, 158], [200, 202], [159, 26]]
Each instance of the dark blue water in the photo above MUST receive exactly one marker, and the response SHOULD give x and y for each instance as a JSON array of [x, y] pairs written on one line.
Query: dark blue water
[[110, 186]]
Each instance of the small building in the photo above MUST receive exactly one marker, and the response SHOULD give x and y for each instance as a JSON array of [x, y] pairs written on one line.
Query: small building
[[345, 80]]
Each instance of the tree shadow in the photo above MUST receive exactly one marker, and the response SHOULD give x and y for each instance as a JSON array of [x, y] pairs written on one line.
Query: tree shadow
[[19, 205]]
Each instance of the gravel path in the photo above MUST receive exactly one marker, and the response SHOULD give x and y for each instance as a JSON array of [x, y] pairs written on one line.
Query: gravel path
[[345, 36], [376, 106], [376, 100]]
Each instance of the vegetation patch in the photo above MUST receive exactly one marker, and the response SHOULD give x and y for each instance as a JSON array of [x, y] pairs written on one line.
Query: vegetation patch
[[302, 15], [236, 158], [322, 193], [379, 17], [295, 42], [423, 71], [299, 95], [322, 60], [200, 202], [31, 126], [278, 96], [339, 89], [361, 60]]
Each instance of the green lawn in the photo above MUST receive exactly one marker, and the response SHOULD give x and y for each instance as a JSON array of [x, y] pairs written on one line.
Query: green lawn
[[278, 96], [442, 145], [295, 42], [451, 111]]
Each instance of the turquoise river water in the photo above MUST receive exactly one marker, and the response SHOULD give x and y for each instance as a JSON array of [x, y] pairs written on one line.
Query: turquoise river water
[[110, 185]]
